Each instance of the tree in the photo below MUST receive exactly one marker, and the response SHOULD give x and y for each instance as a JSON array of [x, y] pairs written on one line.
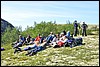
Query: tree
[[9, 35]]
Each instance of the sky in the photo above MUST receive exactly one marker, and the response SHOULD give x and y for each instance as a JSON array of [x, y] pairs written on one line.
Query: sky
[[24, 13]]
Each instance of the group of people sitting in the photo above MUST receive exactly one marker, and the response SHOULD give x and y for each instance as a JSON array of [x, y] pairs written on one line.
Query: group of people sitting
[[40, 42]]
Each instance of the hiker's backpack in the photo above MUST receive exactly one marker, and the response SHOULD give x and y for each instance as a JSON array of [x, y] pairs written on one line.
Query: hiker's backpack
[[79, 41], [73, 42]]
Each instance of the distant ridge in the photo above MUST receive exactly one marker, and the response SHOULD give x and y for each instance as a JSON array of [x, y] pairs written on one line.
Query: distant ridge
[[5, 24]]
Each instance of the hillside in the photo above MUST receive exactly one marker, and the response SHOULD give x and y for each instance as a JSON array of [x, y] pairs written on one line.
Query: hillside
[[5, 24], [84, 55]]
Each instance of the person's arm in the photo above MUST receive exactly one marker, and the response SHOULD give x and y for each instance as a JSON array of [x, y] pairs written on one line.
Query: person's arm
[[43, 44]]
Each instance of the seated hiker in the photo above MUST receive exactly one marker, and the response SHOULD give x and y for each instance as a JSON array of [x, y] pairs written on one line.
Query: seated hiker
[[34, 40], [55, 39], [61, 36], [28, 38], [14, 43], [42, 38], [60, 43], [50, 37], [26, 48], [37, 49], [31, 41], [38, 38], [35, 44], [33, 49], [21, 42]]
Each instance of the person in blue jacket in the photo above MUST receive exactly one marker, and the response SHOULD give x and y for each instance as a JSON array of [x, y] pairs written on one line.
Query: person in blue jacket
[[75, 28]]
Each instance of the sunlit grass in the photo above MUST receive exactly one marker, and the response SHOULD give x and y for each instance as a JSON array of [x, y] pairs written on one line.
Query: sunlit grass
[[84, 55]]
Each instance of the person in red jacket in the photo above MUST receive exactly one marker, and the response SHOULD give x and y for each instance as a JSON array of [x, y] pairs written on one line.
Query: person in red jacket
[[38, 38]]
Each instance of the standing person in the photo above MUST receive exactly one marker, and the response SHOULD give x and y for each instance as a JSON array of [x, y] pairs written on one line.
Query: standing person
[[75, 28], [84, 27]]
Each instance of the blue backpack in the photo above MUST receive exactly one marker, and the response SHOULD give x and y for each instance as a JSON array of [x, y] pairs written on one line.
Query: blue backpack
[[79, 41], [2, 49]]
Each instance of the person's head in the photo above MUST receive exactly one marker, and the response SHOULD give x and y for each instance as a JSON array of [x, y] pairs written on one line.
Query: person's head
[[38, 34], [62, 34], [65, 37], [51, 32], [75, 21], [20, 36], [28, 35], [83, 22], [56, 35]]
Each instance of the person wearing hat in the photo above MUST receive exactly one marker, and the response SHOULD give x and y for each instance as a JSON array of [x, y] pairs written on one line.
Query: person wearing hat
[[84, 27], [61, 36], [75, 28]]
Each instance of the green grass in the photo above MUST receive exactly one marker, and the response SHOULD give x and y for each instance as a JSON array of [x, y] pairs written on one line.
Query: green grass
[[84, 55]]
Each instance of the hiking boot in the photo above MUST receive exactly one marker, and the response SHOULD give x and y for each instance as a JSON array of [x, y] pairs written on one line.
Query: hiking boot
[[19, 50], [32, 53], [28, 53], [15, 51]]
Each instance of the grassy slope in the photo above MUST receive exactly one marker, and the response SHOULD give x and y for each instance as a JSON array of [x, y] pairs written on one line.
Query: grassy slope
[[85, 55]]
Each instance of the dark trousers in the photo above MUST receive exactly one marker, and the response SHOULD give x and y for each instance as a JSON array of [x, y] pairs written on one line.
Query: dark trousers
[[75, 31], [84, 32]]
